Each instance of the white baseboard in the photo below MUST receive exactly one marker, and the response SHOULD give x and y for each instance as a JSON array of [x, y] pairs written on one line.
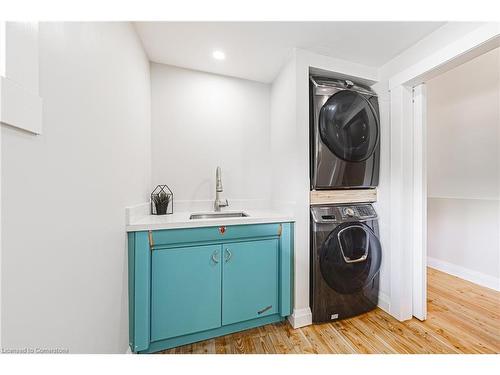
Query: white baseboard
[[384, 302], [301, 318], [465, 273]]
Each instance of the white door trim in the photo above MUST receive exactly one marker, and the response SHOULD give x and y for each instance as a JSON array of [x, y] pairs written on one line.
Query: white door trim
[[419, 233], [408, 232], [2, 73], [475, 43], [401, 192]]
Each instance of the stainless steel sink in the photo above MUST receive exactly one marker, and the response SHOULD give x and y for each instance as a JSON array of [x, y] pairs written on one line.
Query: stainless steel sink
[[217, 215]]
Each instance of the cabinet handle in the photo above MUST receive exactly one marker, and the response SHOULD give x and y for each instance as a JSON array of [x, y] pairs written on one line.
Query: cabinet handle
[[229, 254], [214, 256], [264, 309]]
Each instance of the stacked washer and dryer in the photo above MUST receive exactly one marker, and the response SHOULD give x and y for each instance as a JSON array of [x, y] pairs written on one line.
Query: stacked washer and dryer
[[345, 154]]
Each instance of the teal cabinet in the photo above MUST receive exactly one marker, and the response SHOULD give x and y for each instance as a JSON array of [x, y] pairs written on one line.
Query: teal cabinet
[[185, 291], [250, 280], [187, 285]]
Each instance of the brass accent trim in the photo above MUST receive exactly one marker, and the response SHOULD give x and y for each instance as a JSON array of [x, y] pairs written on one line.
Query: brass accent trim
[[280, 230], [150, 237]]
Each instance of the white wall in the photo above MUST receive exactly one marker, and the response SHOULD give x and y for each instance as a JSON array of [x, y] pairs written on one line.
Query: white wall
[[463, 129], [463, 124], [21, 54], [283, 136], [64, 192], [201, 121], [20, 104], [285, 158]]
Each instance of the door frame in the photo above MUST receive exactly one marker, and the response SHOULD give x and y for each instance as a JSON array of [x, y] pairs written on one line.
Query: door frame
[[3, 53], [408, 238], [419, 235]]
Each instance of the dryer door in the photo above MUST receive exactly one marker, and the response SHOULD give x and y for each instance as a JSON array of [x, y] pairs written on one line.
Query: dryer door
[[348, 126], [350, 257]]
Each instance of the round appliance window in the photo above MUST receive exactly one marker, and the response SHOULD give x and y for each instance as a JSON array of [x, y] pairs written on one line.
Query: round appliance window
[[350, 257], [348, 125]]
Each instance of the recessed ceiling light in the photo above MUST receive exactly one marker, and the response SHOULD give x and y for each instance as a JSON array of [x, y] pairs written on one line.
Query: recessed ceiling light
[[219, 55]]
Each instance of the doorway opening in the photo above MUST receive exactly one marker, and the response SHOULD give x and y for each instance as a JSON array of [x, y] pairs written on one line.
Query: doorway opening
[[463, 178], [456, 189]]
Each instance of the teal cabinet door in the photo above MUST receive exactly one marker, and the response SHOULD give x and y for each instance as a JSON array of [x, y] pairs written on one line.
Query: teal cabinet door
[[249, 280], [185, 290]]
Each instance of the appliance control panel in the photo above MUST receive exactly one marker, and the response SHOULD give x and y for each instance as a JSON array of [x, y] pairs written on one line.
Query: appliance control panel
[[342, 213], [357, 212]]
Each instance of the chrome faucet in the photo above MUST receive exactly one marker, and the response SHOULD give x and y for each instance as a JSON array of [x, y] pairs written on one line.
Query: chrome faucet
[[218, 189]]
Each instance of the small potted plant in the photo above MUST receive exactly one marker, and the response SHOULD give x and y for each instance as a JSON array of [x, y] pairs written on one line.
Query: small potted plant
[[161, 199]]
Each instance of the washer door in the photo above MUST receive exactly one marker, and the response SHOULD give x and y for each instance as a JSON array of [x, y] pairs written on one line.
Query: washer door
[[348, 126], [350, 257]]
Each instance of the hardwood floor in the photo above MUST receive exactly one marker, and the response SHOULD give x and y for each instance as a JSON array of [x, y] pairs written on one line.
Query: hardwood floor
[[462, 318]]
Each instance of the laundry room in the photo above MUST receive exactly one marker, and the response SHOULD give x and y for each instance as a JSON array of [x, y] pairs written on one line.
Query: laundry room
[[258, 187]]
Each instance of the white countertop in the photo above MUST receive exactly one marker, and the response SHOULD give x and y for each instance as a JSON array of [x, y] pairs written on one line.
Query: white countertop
[[181, 220]]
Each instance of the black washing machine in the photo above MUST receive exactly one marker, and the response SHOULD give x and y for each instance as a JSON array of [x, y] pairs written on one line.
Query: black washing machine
[[345, 261]]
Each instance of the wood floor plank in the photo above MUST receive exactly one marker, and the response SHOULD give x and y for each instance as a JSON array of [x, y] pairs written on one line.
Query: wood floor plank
[[455, 283], [327, 336], [204, 347], [462, 340], [416, 339], [469, 306], [221, 345], [267, 345], [318, 344], [347, 330], [281, 339], [464, 292], [344, 345], [258, 345], [468, 322], [371, 335], [299, 340], [462, 318]]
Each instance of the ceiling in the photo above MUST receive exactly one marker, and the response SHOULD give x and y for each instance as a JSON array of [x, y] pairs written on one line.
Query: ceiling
[[258, 50]]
